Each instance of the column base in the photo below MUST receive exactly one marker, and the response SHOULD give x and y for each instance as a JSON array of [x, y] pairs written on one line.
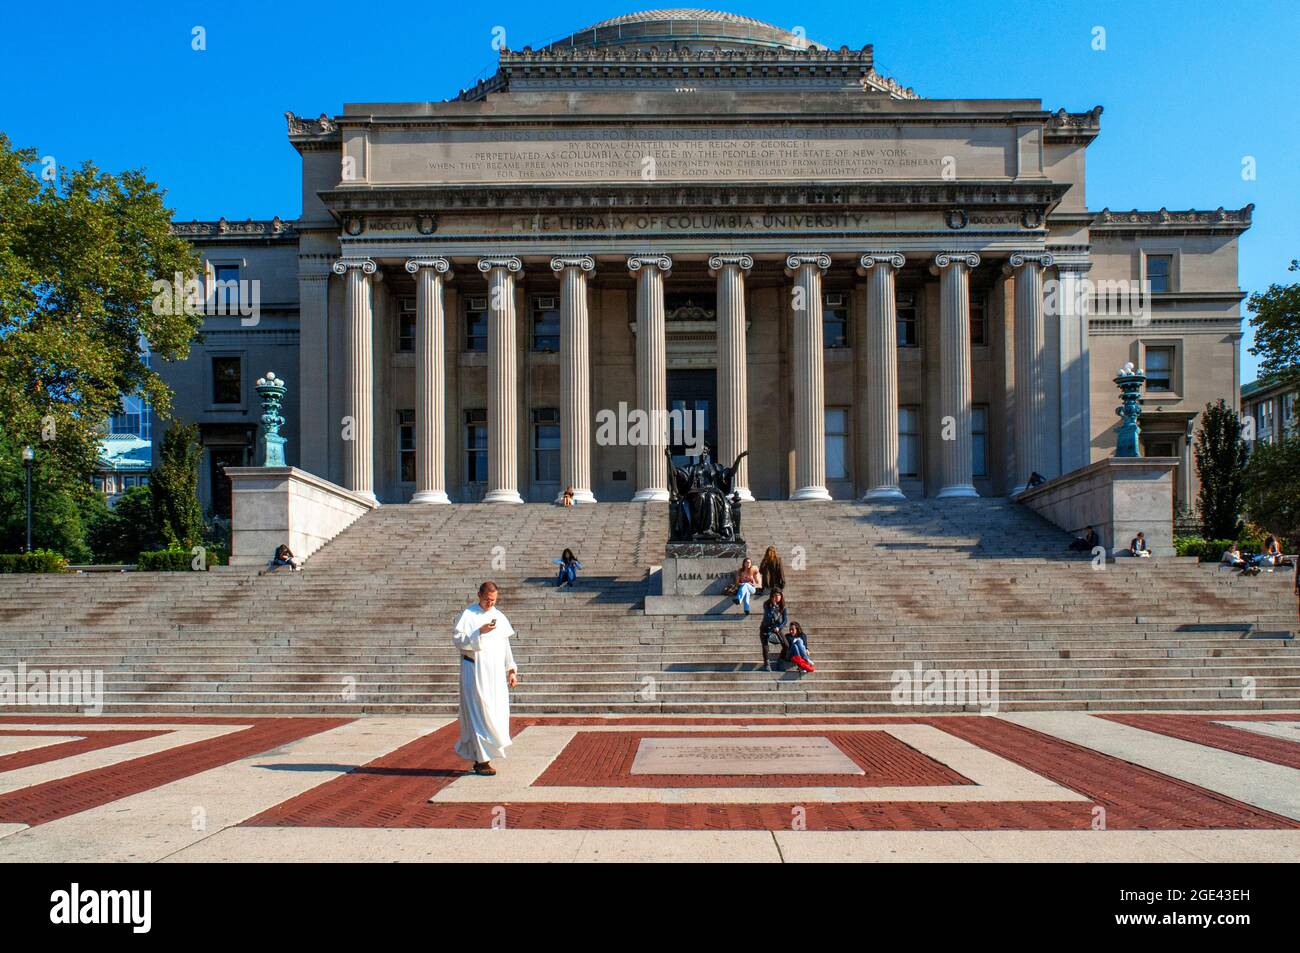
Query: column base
[[650, 496], [810, 493], [958, 491], [883, 493], [579, 496], [502, 496], [430, 496]]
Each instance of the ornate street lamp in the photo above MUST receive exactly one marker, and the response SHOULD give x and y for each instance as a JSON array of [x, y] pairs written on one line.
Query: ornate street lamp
[[29, 456], [272, 390], [1130, 381]]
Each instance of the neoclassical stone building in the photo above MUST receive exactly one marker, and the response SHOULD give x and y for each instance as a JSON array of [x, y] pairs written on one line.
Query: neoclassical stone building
[[874, 293]]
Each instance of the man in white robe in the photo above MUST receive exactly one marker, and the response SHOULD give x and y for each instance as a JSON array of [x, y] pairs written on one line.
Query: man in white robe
[[487, 673]]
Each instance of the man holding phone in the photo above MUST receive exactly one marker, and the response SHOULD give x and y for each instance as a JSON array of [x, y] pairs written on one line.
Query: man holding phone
[[487, 673]]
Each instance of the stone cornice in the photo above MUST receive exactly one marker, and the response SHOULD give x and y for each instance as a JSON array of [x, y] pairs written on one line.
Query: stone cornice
[[274, 228], [1221, 219], [1063, 126]]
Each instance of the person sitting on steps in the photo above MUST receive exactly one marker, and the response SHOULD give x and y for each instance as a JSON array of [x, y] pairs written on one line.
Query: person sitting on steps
[[748, 581], [796, 641], [771, 629], [567, 498], [569, 567], [1139, 546], [283, 557], [1232, 557], [1087, 542]]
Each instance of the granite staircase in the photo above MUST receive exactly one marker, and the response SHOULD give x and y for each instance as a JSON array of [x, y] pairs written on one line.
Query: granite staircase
[[951, 585]]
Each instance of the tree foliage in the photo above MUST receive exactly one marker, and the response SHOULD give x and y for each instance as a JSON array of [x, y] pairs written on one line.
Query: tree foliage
[[1276, 321], [61, 502], [1220, 461], [120, 534], [1272, 488], [175, 487], [78, 259]]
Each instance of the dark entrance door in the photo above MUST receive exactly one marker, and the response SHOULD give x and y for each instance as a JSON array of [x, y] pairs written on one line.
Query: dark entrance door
[[693, 393]]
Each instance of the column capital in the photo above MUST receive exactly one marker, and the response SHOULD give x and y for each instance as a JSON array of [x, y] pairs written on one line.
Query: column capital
[[636, 262], [946, 258], [367, 265], [441, 265], [719, 261], [1042, 258], [797, 260], [561, 262], [511, 264], [870, 259]]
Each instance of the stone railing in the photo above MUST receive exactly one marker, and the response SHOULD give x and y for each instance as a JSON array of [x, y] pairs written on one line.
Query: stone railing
[[274, 505], [1119, 497]]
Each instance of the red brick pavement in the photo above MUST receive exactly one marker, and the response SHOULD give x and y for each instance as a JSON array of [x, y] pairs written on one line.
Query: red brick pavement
[[604, 759], [67, 749], [1203, 730], [51, 800], [392, 791]]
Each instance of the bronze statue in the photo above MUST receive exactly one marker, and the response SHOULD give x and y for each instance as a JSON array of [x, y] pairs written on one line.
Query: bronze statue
[[703, 505]]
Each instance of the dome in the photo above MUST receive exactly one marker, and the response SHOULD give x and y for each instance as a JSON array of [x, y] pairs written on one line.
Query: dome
[[667, 29]]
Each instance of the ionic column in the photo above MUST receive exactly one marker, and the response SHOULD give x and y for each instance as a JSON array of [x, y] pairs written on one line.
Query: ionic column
[[882, 370], [954, 371], [430, 380], [651, 373], [733, 377], [575, 377], [809, 380], [358, 377], [503, 377], [1031, 398], [1072, 304]]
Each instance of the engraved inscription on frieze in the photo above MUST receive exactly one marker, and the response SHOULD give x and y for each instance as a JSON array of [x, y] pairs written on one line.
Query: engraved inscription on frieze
[[692, 154]]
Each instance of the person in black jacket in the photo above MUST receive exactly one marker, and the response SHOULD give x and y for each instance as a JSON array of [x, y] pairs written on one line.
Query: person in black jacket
[[773, 624], [796, 641], [1087, 542]]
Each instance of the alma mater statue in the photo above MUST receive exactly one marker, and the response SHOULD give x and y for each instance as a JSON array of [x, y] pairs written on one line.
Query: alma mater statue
[[703, 505]]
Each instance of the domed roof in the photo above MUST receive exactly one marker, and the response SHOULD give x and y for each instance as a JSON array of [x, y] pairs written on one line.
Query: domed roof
[[669, 28]]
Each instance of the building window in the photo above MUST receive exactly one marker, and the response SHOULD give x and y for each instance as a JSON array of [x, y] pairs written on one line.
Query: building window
[[909, 442], [546, 324], [979, 441], [476, 324], [225, 289], [227, 380], [1160, 369], [546, 445], [837, 443], [835, 319], [1160, 270], [1288, 414], [906, 311], [978, 325], [406, 445], [1264, 431], [406, 325], [124, 423], [476, 441]]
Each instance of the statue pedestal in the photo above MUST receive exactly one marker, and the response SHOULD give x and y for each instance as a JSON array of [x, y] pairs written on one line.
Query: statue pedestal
[[707, 550], [692, 585]]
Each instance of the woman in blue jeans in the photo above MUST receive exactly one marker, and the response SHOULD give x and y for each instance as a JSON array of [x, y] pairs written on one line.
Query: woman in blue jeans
[[569, 567], [774, 619], [797, 646], [747, 582]]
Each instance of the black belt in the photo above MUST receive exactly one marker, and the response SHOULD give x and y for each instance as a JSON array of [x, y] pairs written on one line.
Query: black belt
[[468, 659]]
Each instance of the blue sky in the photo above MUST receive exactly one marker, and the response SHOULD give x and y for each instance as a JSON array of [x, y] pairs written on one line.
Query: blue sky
[[1189, 88]]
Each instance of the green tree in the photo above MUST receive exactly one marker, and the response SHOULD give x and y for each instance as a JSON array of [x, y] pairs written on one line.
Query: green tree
[[175, 487], [1220, 461], [61, 502], [1272, 492], [120, 534], [1276, 322], [79, 256]]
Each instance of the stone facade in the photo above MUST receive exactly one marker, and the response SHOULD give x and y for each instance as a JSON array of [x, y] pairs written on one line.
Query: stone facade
[[873, 293]]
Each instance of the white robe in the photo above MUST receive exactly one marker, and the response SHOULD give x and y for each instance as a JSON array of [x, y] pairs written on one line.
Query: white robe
[[484, 692]]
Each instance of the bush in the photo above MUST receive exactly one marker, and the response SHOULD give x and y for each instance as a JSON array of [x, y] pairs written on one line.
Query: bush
[[172, 559], [42, 560], [117, 535], [1211, 550]]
